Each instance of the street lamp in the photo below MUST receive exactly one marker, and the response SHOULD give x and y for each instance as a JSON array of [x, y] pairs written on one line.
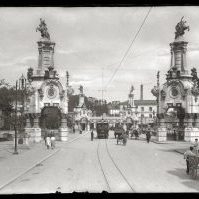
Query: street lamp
[[20, 87]]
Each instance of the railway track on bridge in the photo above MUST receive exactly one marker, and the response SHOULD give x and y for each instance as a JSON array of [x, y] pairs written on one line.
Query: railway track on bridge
[[114, 178]]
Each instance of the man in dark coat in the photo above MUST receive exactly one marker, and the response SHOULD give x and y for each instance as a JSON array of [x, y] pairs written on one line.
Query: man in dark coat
[[148, 135], [92, 135]]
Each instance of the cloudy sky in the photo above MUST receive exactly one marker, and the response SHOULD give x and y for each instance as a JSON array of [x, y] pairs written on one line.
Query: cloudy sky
[[91, 41]]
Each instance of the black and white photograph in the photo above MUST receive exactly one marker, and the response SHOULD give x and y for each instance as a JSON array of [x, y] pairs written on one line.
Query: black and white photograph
[[99, 99]]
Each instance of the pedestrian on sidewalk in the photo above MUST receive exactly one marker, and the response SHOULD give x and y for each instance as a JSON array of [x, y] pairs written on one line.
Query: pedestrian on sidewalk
[[188, 153], [48, 141], [195, 146], [74, 128], [45, 138], [92, 135], [52, 139], [148, 135]]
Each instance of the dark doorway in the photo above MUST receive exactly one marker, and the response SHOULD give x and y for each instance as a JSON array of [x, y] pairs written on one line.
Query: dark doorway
[[50, 118], [175, 123]]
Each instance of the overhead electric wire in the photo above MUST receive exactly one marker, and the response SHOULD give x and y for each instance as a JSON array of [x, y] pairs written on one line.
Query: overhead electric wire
[[128, 48]]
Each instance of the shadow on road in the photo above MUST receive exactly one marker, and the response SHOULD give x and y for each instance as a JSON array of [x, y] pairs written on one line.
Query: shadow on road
[[181, 173], [167, 150]]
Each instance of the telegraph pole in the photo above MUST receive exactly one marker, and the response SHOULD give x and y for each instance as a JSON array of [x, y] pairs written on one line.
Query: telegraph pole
[[102, 90], [15, 123], [158, 85]]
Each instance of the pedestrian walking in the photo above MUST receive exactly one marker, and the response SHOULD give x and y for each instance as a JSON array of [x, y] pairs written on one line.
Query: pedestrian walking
[[48, 141], [92, 135], [148, 135], [73, 128], [187, 154], [124, 136], [45, 138], [52, 139], [195, 146]]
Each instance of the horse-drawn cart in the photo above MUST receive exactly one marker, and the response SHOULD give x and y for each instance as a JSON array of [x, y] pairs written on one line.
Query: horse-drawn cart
[[134, 133], [121, 135]]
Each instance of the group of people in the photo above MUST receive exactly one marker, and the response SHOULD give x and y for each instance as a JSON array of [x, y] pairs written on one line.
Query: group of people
[[50, 140], [192, 151]]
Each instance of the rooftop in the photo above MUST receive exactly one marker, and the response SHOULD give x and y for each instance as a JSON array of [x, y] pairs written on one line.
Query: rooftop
[[145, 102]]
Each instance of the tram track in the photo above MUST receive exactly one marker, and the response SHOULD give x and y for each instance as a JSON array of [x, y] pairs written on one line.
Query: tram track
[[116, 172]]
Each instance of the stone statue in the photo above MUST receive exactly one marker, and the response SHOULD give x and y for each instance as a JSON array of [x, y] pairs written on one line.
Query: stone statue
[[180, 28], [194, 73], [81, 89], [132, 89], [43, 29]]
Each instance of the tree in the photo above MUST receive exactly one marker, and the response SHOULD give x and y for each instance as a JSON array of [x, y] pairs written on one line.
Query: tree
[[7, 96]]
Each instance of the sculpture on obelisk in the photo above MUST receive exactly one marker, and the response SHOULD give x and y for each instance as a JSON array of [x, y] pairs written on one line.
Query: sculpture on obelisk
[[180, 28], [43, 29]]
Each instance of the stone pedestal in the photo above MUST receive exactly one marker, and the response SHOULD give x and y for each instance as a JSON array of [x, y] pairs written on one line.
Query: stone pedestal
[[30, 134], [63, 131], [162, 134], [28, 125], [37, 137], [88, 127], [191, 134], [161, 131], [36, 130]]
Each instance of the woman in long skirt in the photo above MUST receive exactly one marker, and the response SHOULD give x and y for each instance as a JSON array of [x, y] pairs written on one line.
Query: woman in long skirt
[[48, 142]]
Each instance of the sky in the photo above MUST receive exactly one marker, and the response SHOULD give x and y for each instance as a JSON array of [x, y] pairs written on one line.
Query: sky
[[91, 42]]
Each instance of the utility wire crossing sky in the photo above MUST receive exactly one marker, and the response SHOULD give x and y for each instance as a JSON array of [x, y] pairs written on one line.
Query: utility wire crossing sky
[[89, 39]]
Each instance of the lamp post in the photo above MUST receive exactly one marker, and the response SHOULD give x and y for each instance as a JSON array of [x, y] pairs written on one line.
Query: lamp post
[[15, 123], [20, 87]]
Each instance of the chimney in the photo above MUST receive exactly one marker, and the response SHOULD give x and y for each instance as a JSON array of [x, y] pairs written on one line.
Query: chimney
[[141, 92]]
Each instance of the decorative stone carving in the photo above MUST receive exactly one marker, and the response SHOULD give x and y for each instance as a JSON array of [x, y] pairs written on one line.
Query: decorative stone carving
[[155, 91], [41, 93], [180, 28], [43, 29], [61, 94], [163, 94]]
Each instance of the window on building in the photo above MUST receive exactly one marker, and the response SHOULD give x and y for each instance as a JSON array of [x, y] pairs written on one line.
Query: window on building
[[150, 109], [142, 108], [46, 104], [150, 115], [55, 104], [142, 115]]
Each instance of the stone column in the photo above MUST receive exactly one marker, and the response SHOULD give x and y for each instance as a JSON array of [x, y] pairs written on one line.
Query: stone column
[[192, 132], [28, 124], [189, 127], [197, 120], [36, 128], [63, 130], [88, 126], [28, 129], [161, 131]]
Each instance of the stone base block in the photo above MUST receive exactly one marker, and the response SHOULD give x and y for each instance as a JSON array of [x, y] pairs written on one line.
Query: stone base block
[[191, 134], [162, 134], [34, 134], [30, 134], [37, 134], [63, 132]]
